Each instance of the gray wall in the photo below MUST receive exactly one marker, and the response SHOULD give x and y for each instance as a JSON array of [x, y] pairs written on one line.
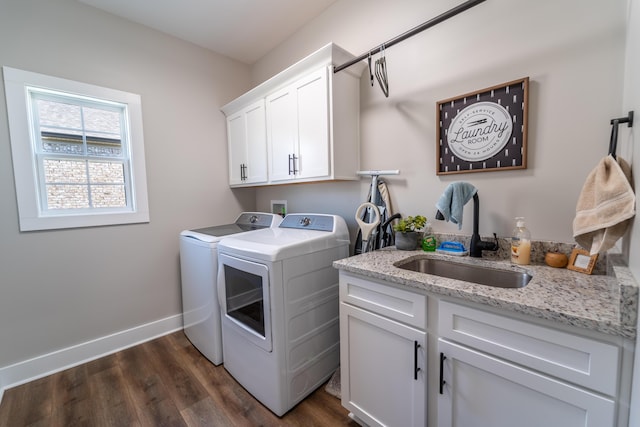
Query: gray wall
[[573, 52], [60, 288]]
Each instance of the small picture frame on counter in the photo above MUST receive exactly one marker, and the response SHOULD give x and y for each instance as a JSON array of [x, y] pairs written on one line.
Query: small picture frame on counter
[[582, 261]]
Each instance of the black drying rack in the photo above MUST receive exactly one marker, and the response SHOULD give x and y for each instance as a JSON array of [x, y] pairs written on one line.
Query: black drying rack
[[613, 144]]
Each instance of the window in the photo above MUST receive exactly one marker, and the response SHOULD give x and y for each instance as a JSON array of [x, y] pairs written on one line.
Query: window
[[78, 152]]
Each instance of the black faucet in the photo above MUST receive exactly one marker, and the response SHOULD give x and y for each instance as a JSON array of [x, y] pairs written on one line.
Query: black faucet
[[477, 245]]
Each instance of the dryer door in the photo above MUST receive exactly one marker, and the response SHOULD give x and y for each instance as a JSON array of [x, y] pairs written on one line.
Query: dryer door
[[243, 288]]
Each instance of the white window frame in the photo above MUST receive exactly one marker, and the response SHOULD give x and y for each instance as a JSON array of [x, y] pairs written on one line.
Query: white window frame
[[32, 215]]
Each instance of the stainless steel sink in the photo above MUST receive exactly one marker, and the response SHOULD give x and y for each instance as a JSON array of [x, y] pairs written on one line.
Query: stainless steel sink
[[468, 273]]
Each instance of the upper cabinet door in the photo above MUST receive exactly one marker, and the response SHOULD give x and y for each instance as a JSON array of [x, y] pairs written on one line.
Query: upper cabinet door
[[298, 129], [312, 113], [281, 135], [237, 144], [256, 170], [247, 142]]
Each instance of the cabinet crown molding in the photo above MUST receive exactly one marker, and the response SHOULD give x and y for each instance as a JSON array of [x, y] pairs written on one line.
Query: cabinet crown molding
[[328, 55]]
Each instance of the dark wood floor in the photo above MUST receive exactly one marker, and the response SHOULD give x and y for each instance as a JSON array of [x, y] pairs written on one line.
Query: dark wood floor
[[164, 382]]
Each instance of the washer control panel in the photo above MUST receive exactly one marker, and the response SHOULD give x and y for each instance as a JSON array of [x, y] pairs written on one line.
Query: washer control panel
[[256, 220]]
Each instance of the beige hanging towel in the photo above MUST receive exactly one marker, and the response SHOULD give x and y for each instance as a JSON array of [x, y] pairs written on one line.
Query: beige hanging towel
[[605, 206]]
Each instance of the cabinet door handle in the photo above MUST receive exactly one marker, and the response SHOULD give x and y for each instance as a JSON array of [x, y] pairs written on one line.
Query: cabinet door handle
[[243, 175], [290, 162], [295, 164], [442, 381], [416, 346]]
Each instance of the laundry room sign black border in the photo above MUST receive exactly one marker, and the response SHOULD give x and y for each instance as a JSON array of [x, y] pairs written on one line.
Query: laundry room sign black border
[[483, 131]]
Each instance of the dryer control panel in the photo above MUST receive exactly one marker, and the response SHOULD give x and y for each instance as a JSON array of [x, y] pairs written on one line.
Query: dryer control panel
[[308, 222]]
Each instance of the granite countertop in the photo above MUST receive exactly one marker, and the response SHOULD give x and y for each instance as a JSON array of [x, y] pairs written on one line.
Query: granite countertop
[[604, 302]]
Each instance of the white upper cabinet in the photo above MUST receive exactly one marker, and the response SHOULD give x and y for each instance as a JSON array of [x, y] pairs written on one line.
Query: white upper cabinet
[[311, 124], [247, 138], [282, 134], [298, 130]]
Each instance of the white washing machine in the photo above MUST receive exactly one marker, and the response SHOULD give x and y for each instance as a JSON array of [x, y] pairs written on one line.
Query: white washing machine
[[199, 271], [278, 295]]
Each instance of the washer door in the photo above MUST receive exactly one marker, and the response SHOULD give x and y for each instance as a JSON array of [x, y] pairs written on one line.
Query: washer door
[[243, 288]]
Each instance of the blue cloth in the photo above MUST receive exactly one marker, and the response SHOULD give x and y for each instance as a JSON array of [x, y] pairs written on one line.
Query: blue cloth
[[455, 196]]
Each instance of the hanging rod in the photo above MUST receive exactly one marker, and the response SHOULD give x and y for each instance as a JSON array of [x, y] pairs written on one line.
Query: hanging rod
[[430, 23]]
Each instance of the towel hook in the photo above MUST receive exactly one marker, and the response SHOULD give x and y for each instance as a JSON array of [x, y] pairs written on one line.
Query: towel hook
[[614, 131]]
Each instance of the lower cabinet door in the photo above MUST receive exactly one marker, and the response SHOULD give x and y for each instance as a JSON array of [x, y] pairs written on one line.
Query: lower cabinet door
[[478, 390], [383, 369]]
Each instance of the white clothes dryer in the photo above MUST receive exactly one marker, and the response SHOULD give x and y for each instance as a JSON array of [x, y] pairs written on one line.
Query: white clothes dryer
[[279, 300], [199, 273]]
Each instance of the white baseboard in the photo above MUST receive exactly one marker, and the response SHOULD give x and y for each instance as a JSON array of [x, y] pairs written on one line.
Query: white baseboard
[[47, 364]]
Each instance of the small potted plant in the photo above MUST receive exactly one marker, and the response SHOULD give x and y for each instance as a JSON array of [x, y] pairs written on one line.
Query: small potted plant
[[409, 232]]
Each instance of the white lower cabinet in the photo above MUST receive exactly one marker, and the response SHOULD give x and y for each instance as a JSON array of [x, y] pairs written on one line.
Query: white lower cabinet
[[385, 382], [478, 390], [383, 360], [497, 371], [484, 368]]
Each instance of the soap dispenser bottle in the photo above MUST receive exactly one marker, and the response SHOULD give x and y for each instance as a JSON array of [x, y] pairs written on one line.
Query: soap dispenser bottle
[[520, 243], [429, 240]]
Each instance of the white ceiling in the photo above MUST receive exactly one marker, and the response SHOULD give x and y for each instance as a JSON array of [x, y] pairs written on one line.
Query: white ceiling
[[241, 29]]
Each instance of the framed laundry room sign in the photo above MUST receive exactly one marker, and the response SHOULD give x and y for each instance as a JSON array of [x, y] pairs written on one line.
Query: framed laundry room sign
[[483, 131]]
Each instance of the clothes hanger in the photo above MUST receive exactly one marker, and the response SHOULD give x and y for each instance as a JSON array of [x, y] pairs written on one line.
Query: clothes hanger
[[370, 72], [381, 72]]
